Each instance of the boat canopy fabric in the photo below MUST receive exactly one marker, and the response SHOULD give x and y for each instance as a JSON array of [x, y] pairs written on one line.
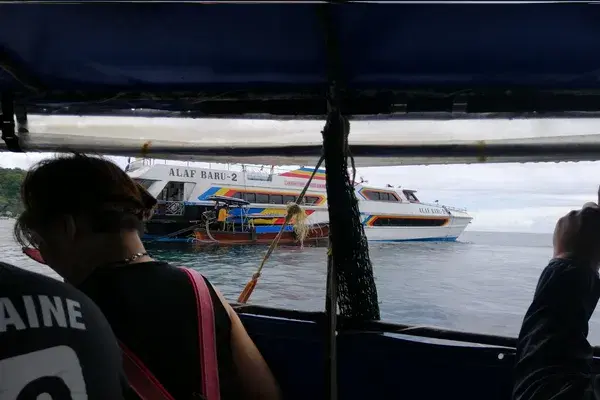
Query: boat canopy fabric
[[169, 47], [441, 63], [373, 143]]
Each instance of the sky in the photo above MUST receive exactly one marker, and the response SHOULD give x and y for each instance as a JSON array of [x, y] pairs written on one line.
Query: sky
[[526, 197]]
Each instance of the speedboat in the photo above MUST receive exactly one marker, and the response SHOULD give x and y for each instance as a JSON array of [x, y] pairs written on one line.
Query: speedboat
[[184, 193]]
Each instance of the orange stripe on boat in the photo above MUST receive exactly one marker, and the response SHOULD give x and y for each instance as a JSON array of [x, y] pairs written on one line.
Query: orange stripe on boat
[[305, 173]]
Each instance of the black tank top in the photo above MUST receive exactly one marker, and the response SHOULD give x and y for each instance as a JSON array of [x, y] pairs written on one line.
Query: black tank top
[[54, 341], [151, 307]]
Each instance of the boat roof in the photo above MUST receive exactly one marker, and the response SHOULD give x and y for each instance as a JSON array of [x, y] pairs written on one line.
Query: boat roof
[[408, 60], [385, 188], [228, 200], [71, 55]]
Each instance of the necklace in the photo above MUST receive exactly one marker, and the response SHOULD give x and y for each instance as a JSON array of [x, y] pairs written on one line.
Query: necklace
[[124, 261], [134, 257]]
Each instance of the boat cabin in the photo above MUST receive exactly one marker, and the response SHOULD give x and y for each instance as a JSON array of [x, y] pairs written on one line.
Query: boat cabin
[[410, 195], [393, 195]]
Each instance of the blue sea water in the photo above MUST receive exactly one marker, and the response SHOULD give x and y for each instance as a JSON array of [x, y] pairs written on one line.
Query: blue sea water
[[483, 283]]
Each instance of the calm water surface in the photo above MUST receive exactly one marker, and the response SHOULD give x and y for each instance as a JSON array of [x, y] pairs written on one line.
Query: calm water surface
[[482, 283]]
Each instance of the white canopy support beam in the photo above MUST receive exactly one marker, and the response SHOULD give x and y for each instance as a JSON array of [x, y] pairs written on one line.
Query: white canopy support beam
[[374, 143]]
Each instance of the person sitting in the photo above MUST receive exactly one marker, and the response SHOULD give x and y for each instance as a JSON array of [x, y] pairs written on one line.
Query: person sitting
[[554, 358], [158, 311], [54, 342]]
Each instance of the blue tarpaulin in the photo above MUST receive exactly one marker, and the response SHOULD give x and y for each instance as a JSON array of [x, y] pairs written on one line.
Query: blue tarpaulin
[[166, 46], [224, 60]]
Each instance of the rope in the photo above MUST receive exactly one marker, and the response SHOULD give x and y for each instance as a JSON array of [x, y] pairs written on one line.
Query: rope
[[293, 209], [189, 228], [208, 232]]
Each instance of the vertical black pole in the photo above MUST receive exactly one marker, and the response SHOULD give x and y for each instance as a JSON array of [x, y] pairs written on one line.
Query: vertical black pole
[[7, 117], [350, 282], [331, 308], [331, 325]]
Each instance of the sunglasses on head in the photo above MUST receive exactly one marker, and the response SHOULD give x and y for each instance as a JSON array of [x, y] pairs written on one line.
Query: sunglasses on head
[[34, 254]]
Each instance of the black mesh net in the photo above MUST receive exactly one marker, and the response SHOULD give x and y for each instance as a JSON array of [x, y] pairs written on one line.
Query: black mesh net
[[356, 290]]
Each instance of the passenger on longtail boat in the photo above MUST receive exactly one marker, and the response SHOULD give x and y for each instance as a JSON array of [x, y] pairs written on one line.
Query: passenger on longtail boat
[[54, 341], [179, 336], [554, 358]]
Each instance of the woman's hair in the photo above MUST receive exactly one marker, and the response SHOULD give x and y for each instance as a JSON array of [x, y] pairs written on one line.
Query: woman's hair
[[82, 186]]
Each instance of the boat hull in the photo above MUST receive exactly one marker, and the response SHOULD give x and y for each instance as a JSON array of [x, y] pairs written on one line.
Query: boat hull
[[317, 236], [448, 233], [374, 362], [160, 228]]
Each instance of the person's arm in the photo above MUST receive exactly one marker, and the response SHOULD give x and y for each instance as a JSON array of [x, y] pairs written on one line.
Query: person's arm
[[554, 358], [256, 379]]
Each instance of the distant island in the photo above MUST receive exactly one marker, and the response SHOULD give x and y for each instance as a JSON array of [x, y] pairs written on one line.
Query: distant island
[[10, 184]]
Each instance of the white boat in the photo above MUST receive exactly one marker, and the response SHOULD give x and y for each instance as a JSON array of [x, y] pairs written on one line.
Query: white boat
[[388, 214]]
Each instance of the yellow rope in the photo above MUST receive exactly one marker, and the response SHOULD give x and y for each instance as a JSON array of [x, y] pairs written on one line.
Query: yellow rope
[[300, 227], [299, 221], [293, 209]]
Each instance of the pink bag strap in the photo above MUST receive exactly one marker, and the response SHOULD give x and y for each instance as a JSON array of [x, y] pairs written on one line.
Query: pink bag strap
[[145, 384], [207, 337], [141, 380]]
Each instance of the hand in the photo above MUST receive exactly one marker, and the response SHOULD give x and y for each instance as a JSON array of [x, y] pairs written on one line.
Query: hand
[[577, 235]]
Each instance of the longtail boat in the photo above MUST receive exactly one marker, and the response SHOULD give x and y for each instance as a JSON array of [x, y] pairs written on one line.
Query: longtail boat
[[317, 236], [242, 228], [366, 85]]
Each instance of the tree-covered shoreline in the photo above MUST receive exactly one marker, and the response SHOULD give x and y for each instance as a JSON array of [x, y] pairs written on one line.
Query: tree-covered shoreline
[[10, 184]]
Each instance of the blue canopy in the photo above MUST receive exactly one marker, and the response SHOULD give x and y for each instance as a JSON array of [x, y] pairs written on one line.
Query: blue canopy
[[444, 61], [199, 56]]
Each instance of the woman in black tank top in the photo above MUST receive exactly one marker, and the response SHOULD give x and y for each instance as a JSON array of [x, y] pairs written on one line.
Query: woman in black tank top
[[91, 238]]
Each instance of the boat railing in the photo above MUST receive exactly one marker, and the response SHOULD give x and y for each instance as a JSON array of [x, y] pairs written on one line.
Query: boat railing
[[449, 208], [457, 209], [430, 204], [259, 176], [348, 326], [135, 165]]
